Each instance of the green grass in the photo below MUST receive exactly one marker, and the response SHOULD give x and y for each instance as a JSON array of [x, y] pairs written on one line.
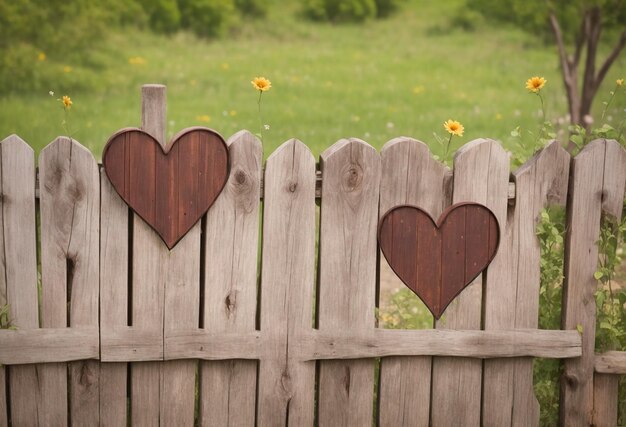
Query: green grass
[[402, 76]]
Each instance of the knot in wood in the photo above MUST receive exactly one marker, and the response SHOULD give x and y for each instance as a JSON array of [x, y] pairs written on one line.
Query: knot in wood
[[292, 186], [240, 177], [351, 177], [231, 302]]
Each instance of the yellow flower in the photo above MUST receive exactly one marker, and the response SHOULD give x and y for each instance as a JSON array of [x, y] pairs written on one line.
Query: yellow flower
[[67, 69], [534, 84], [67, 102], [619, 82], [261, 84], [418, 89], [136, 60], [204, 118], [453, 127], [41, 57]]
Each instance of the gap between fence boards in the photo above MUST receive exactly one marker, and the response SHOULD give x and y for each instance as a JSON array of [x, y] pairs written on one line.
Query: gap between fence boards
[[318, 184]]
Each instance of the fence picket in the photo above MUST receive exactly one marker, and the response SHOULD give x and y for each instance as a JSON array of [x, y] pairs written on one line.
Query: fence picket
[[605, 389], [598, 178], [228, 388], [347, 282], [19, 259], [409, 176], [287, 386], [508, 384], [114, 253], [481, 174]]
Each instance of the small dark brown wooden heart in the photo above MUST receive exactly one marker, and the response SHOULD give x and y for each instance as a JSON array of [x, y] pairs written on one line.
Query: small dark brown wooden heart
[[169, 188], [437, 260]]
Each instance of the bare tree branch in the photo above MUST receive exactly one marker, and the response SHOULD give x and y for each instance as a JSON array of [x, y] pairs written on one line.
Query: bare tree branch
[[558, 35], [611, 58], [580, 40]]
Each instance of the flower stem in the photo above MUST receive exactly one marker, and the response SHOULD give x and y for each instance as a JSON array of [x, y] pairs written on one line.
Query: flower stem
[[606, 106], [260, 117], [445, 156]]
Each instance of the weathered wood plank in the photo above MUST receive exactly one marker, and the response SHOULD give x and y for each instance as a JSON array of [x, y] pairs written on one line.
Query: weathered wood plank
[[439, 342], [598, 177], [228, 388], [24, 346], [611, 362], [114, 262], [182, 310], [70, 224], [347, 281], [409, 176], [149, 273], [605, 400], [4, 414], [481, 175], [19, 259], [508, 384], [287, 386]]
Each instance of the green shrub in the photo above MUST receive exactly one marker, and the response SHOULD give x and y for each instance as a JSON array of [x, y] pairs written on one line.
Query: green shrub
[[208, 18], [163, 15], [252, 8], [340, 10], [384, 8]]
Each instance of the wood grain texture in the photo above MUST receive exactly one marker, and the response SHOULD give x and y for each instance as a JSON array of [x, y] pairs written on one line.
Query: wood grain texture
[[437, 259], [605, 400], [509, 397], [598, 178], [171, 186], [48, 345], [18, 284], [4, 414], [228, 388], [70, 233], [149, 272], [114, 278], [347, 275], [611, 362], [481, 175], [287, 386], [429, 342], [409, 176]]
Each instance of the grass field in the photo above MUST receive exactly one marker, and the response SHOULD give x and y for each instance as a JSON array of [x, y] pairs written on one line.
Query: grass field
[[402, 76]]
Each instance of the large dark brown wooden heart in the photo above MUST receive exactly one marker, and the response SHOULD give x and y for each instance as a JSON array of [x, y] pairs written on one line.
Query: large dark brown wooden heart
[[169, 188], [437, 260]]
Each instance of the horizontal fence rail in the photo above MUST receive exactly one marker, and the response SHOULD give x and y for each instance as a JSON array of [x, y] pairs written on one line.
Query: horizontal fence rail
[[265, 311]]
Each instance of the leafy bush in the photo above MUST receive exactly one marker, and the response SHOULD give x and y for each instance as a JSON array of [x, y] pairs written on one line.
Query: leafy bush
[[252, 8], [385, 8], [340, 10], [163, 15], [208, 18]]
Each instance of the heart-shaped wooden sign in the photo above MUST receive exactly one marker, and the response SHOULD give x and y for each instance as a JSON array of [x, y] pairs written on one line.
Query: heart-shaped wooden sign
[[171, 188], [437, 260]]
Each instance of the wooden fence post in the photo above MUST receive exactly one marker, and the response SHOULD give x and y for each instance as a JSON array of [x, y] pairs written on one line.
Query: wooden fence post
[[347, 281], [18, 283], [481, 174], [513, 300], [598, 179], [409, 176], [287, 385], [228, 387]]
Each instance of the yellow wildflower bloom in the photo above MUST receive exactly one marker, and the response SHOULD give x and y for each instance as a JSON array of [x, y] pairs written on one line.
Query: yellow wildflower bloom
[[136, 60], [67, 69], [535, 84], [453, 127], [41, 57], [619, 82], [67, 102], [204, 118], [261, 84]]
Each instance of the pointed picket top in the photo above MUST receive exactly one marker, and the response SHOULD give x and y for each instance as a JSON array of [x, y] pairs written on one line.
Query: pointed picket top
[[553, 160], [14, 140], [294, 145], [428, 175], [64, 144]]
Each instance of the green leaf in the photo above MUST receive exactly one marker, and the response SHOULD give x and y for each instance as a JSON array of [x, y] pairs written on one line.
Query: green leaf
[[579, 328], [598, 275]]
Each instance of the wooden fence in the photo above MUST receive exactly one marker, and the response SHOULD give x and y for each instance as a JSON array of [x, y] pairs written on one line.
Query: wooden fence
[[123, 331]]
